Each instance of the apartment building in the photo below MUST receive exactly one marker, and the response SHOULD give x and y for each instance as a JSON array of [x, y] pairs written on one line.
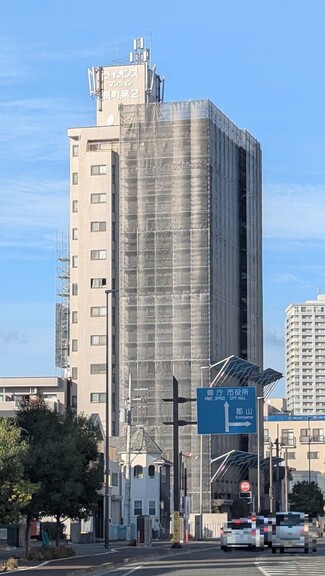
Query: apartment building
[[299, 439], [58, 393], [305, 356], [165, 207]]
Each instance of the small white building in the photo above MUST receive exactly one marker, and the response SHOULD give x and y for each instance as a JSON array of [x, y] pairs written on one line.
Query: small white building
[[150, 480]]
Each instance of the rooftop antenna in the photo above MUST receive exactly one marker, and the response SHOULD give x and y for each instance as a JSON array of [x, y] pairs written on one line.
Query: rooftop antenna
[[150, 48], [140, 53]]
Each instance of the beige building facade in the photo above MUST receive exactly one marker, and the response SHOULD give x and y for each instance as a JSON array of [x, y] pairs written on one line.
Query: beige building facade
[[58, 393], [299, 438]]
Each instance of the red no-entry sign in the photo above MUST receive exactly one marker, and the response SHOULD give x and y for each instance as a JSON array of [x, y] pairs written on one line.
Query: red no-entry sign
[[245, 486]]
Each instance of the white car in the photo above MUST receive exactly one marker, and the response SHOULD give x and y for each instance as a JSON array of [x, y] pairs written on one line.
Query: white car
[[241, 533], [291, 530]]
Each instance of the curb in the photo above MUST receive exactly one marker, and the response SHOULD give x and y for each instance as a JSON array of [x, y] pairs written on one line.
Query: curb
[[101, 570]]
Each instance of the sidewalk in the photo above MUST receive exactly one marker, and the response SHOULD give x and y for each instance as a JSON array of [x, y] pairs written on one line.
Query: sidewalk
[[91, 558]]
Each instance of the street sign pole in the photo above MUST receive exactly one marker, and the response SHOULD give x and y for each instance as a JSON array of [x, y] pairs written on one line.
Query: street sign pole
[[176, 423], [176, 543]]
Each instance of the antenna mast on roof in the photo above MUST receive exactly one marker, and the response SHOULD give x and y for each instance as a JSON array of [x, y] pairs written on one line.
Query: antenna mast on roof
[[140, 53]]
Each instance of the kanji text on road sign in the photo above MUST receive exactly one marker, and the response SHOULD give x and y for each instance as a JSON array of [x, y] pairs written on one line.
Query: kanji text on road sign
[[226, 410]]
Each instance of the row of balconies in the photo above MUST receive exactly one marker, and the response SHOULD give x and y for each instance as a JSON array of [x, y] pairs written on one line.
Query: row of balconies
[[292, 442]]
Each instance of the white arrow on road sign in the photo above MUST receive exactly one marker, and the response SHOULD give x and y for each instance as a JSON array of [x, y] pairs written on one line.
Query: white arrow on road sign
[[227, 423]]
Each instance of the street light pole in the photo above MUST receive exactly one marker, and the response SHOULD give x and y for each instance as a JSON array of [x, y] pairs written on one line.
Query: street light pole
[[258, 456], [107, 416]]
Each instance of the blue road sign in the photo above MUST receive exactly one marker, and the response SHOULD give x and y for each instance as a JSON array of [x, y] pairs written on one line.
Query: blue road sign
[[226, 410]]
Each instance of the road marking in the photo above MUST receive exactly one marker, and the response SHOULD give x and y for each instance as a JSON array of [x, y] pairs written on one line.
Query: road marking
[[311, 566]]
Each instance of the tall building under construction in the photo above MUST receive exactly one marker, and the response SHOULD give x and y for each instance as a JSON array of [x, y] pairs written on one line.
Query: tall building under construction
[[165, 213]]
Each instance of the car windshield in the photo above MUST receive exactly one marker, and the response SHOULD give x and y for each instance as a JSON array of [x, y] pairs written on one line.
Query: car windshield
[[289, 519]]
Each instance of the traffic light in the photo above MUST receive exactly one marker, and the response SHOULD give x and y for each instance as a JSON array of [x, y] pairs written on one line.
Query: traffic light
[[246, 495]]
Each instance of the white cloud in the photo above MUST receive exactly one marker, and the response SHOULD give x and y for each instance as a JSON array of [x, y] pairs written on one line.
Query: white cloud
[[293, 212]]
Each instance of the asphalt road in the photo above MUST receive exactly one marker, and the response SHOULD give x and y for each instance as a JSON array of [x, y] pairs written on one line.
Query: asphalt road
[[206, 559], [194, 559]]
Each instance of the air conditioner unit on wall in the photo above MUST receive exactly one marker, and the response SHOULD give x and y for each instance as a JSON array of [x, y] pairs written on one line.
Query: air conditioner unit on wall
[[34, 390]]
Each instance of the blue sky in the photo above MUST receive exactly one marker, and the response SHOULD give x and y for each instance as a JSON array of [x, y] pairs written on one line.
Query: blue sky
[[259, 61]]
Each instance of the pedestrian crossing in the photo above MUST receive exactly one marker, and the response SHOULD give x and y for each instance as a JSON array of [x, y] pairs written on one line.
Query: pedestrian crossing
[[313, 566]]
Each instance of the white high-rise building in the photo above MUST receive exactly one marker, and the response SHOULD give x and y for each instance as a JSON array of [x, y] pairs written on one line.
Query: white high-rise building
[[305, 356], [165, 207]]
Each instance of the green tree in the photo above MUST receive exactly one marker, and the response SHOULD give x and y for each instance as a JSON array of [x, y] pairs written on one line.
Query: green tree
[[65, 461], [307, 497], [15, 491]]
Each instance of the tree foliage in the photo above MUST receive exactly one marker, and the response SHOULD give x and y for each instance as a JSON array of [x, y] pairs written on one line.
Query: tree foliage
[[63, 458], [15, 491], [307, 497]]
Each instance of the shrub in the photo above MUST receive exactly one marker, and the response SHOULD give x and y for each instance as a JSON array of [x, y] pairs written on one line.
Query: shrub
[[51, 552], [10, 564]]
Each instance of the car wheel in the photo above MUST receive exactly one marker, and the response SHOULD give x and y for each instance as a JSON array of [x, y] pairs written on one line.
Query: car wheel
[[273, 550]]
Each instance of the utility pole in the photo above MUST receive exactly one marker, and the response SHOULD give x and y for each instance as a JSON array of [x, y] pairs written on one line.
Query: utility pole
[[127, 495], [176, 423], [309, 440], [286, 480], [277, 472], [271, 478]]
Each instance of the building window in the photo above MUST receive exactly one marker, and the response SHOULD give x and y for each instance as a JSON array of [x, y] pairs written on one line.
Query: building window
[[152, 508], [137, 508], [151, 471], [317, 435], [312, 455], [74, 233], [98, 169], [98, 311], [97, 282], [97, 368], [99, 340], [291, 455], [74, 373], [95, 145], [75, 150], [113, 174], [74, 290], [74, 317], [138, 471], [98, 255], [74, 261], [98, 226], [74, 177], [98, 397], [98, 198], [114, 479], [287, 437], [74, 205], [266, 435], [163, 474], [74, 345]]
